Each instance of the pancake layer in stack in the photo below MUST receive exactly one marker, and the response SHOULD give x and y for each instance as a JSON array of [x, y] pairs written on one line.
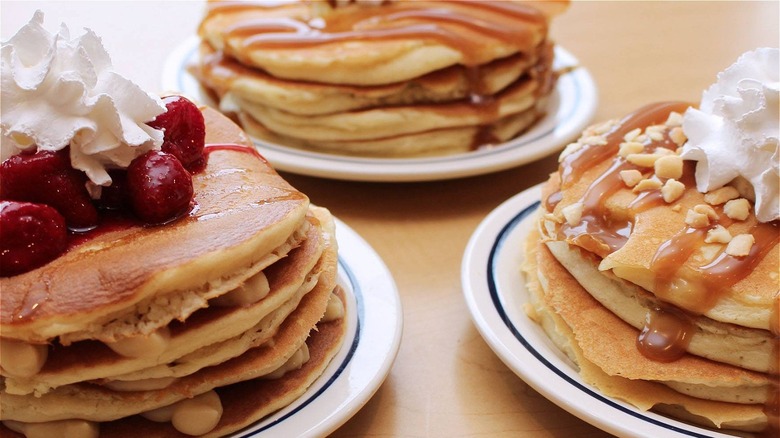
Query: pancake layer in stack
[[198, 327], [398, 78], [632, 274]]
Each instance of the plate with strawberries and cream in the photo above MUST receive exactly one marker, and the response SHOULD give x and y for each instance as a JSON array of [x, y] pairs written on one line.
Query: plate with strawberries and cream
[[158, 276]]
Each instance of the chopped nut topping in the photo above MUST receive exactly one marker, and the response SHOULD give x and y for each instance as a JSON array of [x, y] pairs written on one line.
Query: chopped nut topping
[[737, 209], [678, 136], [697, 220], [632, 135], [553, 217], [631, 177], [630, 147], [719, 234], [655, 135], [573, 213], [674, 119], [676, 208], [603, 128], [569, 149], [641, 138], [707, 210], [740, 245], [595, 140], [643, 160], [648, 184], [669, 166], [672, 190], [721, 195]]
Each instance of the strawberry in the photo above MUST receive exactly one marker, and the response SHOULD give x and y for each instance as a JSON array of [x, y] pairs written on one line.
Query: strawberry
[[31, 235], [159, 187], [47, 177], [184, 130]]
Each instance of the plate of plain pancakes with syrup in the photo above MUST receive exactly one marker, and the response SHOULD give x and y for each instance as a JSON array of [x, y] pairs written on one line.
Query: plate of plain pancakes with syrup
[[386, 90], [632, 288]]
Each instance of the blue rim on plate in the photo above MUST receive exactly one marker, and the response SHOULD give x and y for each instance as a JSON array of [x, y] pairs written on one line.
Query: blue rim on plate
[[357, 371], [571, 108], [495, 296]]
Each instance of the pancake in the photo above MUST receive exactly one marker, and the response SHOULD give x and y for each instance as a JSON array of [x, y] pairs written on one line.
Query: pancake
[[603, 347], [65, 364], [398, 79], [365, 45], [636, 279], [437, 142], [256, 283], [226, 76], [191, 258], [96, 403], [388, 121]]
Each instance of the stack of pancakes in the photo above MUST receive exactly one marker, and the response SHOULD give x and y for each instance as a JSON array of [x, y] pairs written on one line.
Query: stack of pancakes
[[391, 78], [638, 277], [197, 327]]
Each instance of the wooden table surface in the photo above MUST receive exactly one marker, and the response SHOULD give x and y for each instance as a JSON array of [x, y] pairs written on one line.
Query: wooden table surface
[[446, 381]]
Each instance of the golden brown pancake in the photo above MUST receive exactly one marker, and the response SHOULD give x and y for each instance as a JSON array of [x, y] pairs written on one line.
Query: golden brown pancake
[[265, 263], [400, 79], [603, 348], [203, 329], [72, 295], [641, 280], [436, 142], [224, 75], [94, 402], [371, 45]]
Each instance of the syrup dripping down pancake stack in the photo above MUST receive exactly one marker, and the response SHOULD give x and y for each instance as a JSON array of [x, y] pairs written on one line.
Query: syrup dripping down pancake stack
[[196, 323], [666, 295], [391, 78]]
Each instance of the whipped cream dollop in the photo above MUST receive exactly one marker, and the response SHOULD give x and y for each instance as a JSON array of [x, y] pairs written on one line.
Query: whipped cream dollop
[[58, 91], [734, 133]]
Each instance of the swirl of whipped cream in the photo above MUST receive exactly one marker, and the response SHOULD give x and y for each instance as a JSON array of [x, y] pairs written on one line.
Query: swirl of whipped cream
[[735, 130], [58, 92]]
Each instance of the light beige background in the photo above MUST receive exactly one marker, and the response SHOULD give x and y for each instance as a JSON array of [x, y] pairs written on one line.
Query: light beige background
[[446, 381]]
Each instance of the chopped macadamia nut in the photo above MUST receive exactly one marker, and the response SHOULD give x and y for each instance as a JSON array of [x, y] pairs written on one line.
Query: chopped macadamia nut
[[648, 184], [718, 235], [678, 136], [655, 135], [740, 245], [676, 208], [553, 217], [674, 119], [707, 210], [573, 213], [737, 209], [568, 150], [631, 177], [630, 147], [721, 195], [697, 220], [632, 135], [643, 160], [672, 190], [670, 166], [595, 140]]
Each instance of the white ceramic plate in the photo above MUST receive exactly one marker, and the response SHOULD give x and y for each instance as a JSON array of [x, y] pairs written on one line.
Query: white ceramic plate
[[572, 106], [356, 372], [495, 293]]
